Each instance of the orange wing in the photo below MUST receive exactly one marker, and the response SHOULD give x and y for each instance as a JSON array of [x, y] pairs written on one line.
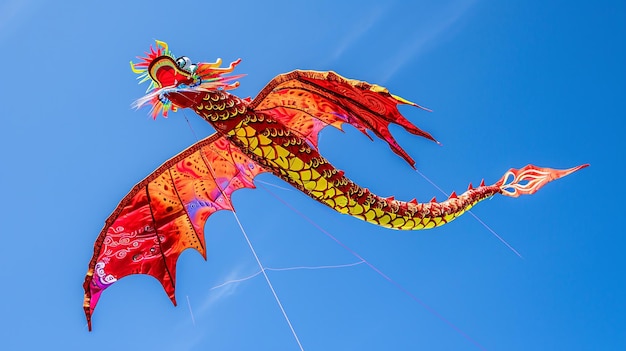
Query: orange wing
[[165, 214]]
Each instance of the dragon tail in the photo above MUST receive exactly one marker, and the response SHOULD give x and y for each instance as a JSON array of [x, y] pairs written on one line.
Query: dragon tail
[[391, 213]]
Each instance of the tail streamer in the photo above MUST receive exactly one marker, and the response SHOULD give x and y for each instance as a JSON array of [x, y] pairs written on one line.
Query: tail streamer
[[529, 179]]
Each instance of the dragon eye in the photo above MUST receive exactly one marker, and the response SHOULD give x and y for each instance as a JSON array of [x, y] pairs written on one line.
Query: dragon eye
[[184, 62]]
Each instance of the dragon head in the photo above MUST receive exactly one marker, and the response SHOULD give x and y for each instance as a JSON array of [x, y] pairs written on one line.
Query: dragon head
[[173, 81]]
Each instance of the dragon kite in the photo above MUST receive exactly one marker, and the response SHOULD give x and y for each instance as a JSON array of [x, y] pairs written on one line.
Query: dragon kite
[[275, 132]]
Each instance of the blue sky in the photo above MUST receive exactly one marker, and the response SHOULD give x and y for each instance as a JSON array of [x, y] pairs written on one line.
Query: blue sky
[[509, 83]]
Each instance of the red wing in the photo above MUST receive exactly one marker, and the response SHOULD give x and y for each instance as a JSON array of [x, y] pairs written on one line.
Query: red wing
[[307, 101], [165, 214]]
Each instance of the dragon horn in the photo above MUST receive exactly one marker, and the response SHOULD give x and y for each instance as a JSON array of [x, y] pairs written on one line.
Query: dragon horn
[[162, 44], [527, 180]]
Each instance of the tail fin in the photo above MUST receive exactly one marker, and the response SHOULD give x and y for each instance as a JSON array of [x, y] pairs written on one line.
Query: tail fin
[[527, 180]]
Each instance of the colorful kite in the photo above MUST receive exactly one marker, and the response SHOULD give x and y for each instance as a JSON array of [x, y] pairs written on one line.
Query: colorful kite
[[276, 132]]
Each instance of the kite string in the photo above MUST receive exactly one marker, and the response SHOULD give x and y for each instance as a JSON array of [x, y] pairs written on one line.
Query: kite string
[[273, 185], [228, 282], [191, 128], [378, 271], [493, 232], [232, 281], [267, 279], [269, 283], [193, 320]]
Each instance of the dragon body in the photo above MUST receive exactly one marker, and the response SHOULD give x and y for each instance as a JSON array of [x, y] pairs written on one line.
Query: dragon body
[[276, 132], [281, 150]]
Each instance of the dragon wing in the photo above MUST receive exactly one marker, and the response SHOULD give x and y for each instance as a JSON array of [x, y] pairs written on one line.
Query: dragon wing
[[307, 101], [165, 214]]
